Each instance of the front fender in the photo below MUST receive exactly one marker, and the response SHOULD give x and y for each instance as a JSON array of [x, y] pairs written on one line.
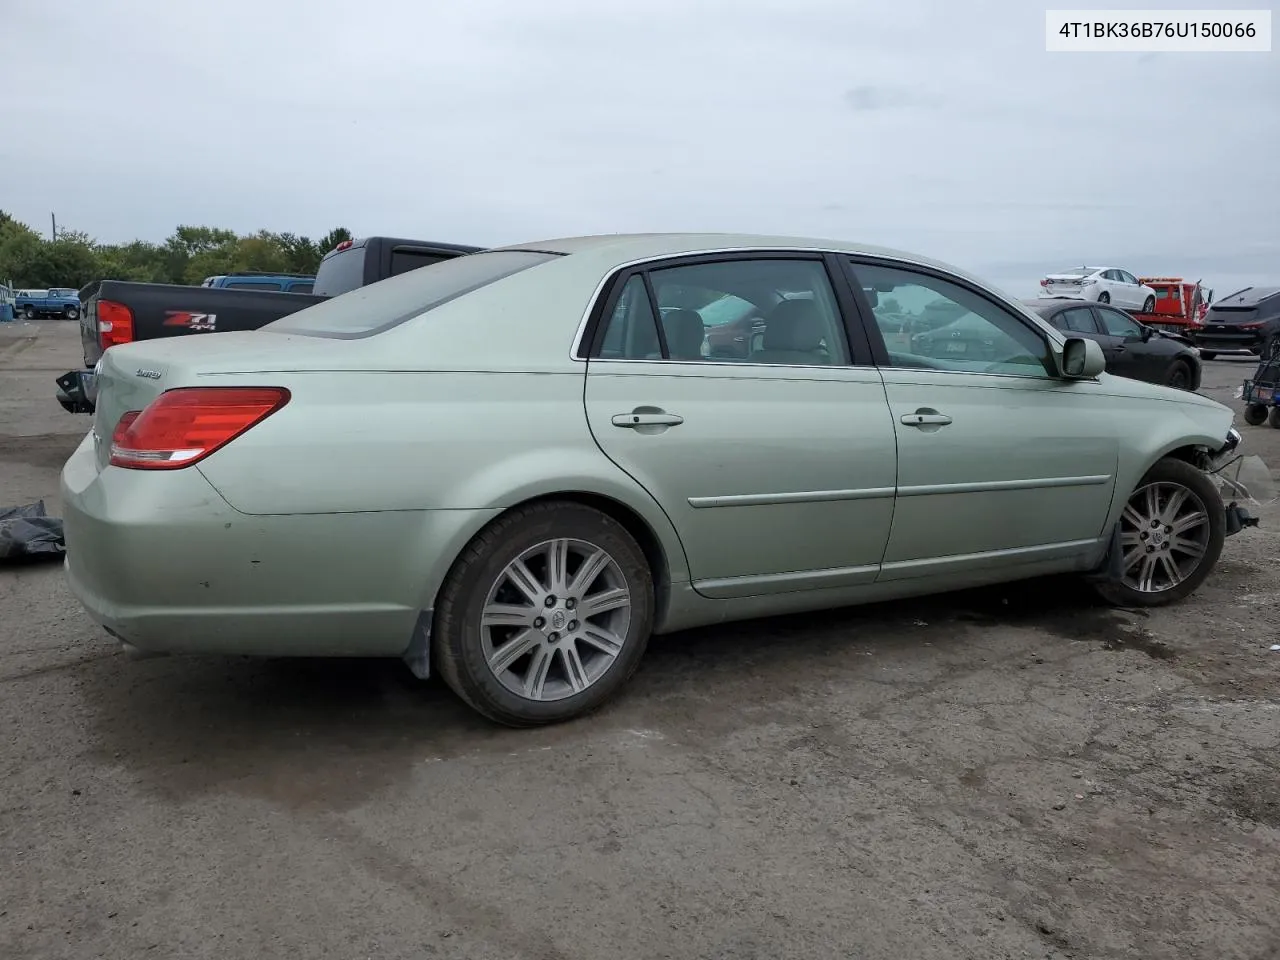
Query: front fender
[[1191, 427]]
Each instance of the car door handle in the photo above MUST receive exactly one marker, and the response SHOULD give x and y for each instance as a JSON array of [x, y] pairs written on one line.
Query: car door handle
[[925, 419], [633, 420]]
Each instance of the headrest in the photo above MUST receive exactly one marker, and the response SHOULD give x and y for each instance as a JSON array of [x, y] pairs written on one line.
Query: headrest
[[794, 325], [685, 332]]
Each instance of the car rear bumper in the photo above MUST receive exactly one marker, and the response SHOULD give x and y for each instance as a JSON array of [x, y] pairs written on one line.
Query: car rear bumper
[[1225, 342], [165, 565]]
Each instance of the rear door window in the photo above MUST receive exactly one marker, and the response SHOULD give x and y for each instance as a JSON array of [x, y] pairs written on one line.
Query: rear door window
[[1077, 320], [340, 272], [403, 260]]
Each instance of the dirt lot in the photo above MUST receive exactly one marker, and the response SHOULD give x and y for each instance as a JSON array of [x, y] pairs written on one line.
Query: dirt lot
[[1010, 773]]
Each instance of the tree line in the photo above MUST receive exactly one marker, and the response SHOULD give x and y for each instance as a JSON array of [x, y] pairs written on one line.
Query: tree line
[[30, 260]]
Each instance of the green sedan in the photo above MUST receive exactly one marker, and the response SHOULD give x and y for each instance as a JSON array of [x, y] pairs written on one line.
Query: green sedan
[[514, 467]]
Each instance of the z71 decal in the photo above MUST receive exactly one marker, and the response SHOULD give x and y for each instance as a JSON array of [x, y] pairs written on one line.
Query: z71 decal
[[191, 321]]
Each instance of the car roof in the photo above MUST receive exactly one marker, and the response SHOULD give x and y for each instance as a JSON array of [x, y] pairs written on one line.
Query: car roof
[[1043, 305], [622, 248]]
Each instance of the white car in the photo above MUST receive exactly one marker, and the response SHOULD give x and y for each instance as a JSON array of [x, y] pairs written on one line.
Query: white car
[[1103, 285]]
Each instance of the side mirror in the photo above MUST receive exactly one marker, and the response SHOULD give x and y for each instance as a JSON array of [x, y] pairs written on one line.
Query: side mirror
[[1147, 334], [1082, 359]]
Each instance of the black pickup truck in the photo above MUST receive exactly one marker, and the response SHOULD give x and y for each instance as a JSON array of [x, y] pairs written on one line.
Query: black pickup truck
[[123, 311]]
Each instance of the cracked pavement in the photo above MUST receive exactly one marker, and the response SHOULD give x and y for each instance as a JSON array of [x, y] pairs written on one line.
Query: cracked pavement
[[1015, 772]]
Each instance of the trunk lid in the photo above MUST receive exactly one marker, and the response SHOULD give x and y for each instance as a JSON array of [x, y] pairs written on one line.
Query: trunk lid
[[1217, 319], [123, 382]]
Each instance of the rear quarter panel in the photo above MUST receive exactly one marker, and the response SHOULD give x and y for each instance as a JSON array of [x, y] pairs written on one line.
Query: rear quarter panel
[[424, 441]]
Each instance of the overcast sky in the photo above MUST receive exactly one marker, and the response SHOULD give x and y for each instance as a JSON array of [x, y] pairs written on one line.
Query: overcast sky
[[941, 127]]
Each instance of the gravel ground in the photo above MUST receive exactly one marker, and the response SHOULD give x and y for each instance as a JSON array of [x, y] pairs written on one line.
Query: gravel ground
[[1004, 773]]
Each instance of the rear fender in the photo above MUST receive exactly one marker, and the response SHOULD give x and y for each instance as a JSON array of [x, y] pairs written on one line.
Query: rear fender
[[505, 484]]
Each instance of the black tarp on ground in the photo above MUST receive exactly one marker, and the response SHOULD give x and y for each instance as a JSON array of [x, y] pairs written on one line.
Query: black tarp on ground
[[28, 533]]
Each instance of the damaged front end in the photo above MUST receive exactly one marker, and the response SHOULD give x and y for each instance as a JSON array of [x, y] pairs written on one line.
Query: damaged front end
[[1238, 478]]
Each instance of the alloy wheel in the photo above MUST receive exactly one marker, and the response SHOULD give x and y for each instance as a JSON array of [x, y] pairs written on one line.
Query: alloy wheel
[[555, 619], [1164, 533]]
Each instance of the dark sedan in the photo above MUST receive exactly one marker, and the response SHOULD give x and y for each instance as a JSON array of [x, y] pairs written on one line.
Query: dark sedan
[[1248, 319], [1132, 349]]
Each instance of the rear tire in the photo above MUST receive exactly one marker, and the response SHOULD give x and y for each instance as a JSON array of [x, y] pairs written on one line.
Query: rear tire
[[1273, 417], [1104, 297], [1255, 414], [72, 313], [1171, 535], [1149, 305], [1207, 355], [547, 666]]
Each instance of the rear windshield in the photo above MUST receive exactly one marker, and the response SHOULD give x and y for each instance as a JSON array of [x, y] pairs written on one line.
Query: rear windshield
[[1248, 297], [381, 306], [340, 272]]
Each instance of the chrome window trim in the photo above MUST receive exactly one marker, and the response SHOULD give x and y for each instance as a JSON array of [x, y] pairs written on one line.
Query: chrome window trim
[[1042, 325]]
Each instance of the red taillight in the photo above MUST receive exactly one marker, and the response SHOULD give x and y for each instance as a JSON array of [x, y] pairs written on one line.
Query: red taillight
[[343, 245], [1250, 326], [183, 426], [115, 323], [1044, 283]]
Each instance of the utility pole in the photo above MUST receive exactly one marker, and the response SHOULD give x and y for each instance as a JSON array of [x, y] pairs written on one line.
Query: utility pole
[[54, 218]]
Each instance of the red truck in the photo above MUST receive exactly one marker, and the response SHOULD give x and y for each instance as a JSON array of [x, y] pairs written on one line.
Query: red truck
[[1180, 304]]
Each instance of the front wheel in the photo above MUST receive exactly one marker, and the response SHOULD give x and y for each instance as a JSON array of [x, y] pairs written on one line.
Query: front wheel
[[1171, 535], [1178, 376], [1149, 305], [545, 615], [29, 312], [1255, 414], [1104, 297]]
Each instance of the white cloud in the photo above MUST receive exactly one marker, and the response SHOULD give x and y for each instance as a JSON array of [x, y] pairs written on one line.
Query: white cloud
[[934, 126]]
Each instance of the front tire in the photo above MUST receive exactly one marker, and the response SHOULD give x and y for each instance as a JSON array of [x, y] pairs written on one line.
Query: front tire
[[1149, 305], [545, 615], [1171, 535], [29, 312], [1178, 376], [1255, 414]]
